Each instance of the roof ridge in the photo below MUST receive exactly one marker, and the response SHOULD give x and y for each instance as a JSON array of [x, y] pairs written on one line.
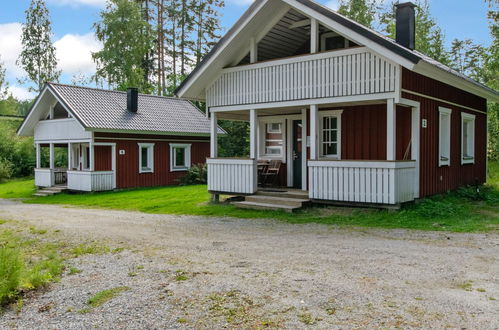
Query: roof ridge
[[115, 91]]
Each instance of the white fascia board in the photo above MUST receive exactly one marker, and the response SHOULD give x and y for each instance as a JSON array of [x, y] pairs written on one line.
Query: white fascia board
[[432, 71], [348, 33]]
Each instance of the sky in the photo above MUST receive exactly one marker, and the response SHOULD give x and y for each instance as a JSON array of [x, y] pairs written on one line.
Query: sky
[[73, 38]]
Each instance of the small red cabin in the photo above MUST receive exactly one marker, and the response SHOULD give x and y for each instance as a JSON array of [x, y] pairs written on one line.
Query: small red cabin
[[113, 139]]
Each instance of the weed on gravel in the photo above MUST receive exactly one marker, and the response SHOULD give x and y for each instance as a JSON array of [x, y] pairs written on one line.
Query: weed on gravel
[[102, 297]]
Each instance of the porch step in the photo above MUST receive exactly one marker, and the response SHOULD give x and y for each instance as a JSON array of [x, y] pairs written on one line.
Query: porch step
[[265, 206], [292, 193], [49, 191], [274, 200]]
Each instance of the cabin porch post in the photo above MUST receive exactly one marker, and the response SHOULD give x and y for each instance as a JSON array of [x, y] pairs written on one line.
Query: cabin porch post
[[92, 165], [314, 116], [215, 198], [51, 154], [38, 155], [391, 129], [70, 156], [253, 134]]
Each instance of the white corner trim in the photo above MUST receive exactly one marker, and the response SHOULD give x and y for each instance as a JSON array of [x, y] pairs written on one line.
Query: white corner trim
[[471, 135], [150, 155], [187, 147]]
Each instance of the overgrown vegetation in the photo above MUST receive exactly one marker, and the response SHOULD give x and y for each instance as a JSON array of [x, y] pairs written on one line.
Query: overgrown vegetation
[[17, 155], [197, 174], [102, 297]]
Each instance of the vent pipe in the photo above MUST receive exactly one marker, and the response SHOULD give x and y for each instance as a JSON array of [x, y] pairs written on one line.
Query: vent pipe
[[132, 99], [405, 30]]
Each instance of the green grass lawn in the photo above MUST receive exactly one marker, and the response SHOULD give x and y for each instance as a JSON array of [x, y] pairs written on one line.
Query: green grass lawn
[[461, 211]]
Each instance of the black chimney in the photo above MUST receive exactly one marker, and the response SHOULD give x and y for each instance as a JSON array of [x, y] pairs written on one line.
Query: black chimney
[[405, 31], [132, 99]]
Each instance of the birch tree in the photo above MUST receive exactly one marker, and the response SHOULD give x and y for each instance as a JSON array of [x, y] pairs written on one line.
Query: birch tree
[[38, 58]]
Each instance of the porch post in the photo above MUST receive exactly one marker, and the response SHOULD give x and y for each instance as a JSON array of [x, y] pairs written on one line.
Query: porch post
[[213, 136], [313, 131], [253, 134], [51, 153], [70, 156], [304, 149], [38, 155], [314, 36], [253, 50], [391, 129], [91, 146]]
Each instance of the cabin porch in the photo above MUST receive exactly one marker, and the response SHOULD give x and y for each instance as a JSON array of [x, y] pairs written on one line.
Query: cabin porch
[[75, 166], [360, 153]]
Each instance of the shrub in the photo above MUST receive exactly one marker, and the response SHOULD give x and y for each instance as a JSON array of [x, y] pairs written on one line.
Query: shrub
[[5, 169], [11, 266], [480, 193], [197, 174], [436, 208]]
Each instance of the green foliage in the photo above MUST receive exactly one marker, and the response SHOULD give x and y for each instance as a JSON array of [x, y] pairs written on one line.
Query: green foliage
[[127, 39], [11, 267], [10, 106], [5, 169], [236, 142], [102, 297], [15, 150], [361, 11], [17, 188], [197, 174], [37, 57], [4, 85]]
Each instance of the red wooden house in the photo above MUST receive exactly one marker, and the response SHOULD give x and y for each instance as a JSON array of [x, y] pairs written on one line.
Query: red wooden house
[[350, 115], [114, 139]]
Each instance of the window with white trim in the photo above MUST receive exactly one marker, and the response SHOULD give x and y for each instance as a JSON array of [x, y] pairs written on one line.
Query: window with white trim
[[444, 131], [467, 138], [272, 138], [146, 157], [180, 157], [330, 134]]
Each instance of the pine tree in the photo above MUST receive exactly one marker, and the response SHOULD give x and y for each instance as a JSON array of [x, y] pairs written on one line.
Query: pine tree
[[207, 26], [4, 85], [38, 57], [127, 39], [361, 11]]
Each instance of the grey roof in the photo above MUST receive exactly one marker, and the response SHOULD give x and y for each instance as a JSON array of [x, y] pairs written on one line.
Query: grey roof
[[410, 55], [98, 109]]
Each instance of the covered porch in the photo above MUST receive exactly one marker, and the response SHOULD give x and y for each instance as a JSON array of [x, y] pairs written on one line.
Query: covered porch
[[76, 167], [350, 152]]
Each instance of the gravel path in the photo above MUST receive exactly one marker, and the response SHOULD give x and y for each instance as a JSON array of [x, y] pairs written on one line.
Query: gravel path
[[197, 272]]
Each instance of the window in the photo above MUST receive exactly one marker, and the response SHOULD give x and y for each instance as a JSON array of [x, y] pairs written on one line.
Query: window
[[180, 157], [85, 161], [330, 134], [272, 137], [444, 125], [146, 157], [467, 138]]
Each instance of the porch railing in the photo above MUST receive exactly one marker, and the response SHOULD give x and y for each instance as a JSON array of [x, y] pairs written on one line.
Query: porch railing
[[378, 182], [348, 72], [232, 175], [44, 177], [91, 181]]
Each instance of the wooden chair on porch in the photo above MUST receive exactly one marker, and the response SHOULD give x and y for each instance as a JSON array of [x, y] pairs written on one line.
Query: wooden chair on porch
[[271, 173]]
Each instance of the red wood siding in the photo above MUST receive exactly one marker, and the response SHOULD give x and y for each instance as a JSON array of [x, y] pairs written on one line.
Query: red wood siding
[[103, 158], [127, 165], [435, 179]]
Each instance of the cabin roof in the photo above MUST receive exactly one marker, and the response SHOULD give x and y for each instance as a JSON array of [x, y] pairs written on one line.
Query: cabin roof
[[408, 58], [106, 110]]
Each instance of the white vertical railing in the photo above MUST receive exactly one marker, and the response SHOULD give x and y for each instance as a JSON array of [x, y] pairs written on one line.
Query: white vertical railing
[[44, 177], [232, 175], [355, 71], [91, 181], [376, 182]]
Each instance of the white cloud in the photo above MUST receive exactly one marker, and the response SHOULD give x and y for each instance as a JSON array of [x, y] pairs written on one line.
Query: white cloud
[[241, 2], [10, 41], [333, 4], [76, 3], [21, 93], [74, 53]]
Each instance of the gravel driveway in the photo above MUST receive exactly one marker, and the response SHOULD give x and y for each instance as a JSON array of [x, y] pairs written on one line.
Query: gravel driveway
[[197, 272]]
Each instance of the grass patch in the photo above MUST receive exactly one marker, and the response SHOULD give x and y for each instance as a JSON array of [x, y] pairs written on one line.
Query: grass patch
[[464, 210], [74, 271], [104, 296], [26, 263], [18, 188], [92, 248]]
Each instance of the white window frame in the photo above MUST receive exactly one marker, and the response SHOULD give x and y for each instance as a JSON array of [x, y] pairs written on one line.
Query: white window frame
[[272, 131], [264, 124], [468, 159], [150, 157], [85, 157], [187, 154], [330, 113], [444, 132]]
